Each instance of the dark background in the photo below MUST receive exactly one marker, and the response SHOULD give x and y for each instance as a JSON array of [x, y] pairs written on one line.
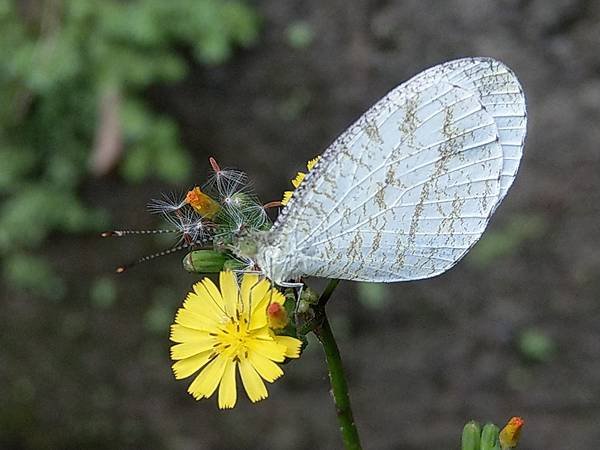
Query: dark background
[[512, 330]]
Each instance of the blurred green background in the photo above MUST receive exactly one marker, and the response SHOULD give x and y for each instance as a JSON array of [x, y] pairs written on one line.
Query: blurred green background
[[107, 104]]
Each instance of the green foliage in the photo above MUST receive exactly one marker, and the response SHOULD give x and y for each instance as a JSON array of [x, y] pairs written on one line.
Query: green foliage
[[103, 292], [159, 314], [536, 346], [373, 295], [61, 60], [300, 35], [507, 240]]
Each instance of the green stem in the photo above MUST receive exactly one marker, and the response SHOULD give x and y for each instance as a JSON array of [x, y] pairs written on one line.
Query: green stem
[[337, 379]]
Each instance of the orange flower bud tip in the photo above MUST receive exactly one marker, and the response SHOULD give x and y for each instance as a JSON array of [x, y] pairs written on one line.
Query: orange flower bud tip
[[277, 314], [509, 436], [201, 203], [274, 309]]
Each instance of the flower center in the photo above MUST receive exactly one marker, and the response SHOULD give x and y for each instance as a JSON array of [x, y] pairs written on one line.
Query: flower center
[[232, 340]]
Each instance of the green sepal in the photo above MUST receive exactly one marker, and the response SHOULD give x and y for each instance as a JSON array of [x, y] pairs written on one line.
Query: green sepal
[[489, 437], [205, 261], [471, 436], [233, 264]]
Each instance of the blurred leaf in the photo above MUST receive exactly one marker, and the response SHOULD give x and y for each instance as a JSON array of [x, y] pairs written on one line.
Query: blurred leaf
[[300, 35], [58, 60], [536, 346], [295, 104], [33, 274], [507, 240], [161, 312], [373, 295], [103, 292]]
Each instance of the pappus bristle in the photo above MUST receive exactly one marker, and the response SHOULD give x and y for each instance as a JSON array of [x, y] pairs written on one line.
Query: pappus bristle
[[226, 182], [190, 225], [168, 204]]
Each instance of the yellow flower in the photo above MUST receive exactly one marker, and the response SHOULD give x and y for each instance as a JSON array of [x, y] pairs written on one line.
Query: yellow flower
[[297, 181], [221, 332], [509, 436], [202, 203]]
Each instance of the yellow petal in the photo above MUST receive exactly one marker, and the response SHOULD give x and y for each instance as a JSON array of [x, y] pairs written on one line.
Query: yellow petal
[[259, 319], [229, 292], [192, 320], [257, 294], [207, 381], [179, 333], [186, 367], [265, 367], [227, 388], [188, 349], [312, 163], [253, 383], [205, 301], [214, 294], [198, 306], [298, 179], [259, 316], [277, 296], [249, 280], [263, 333], [287, 196], [292, 345], [269, 349]]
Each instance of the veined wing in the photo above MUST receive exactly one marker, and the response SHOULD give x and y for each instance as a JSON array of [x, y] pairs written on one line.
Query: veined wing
[[409, 188]]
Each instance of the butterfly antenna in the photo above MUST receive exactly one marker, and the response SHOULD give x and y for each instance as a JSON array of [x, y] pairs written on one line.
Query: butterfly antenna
[[121, 233], [143, 259]]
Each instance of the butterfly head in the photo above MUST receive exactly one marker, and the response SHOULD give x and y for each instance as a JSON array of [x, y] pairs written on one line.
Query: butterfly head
[[268, 255]]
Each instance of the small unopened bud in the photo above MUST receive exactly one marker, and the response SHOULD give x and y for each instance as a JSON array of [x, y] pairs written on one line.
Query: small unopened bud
[[278, 317], [489, 437], [202, 203], [205, 261], [471, 436], [308, 298], [509, 436]]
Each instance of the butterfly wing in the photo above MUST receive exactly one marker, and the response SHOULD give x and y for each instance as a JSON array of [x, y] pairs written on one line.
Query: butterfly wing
[[410, 186]]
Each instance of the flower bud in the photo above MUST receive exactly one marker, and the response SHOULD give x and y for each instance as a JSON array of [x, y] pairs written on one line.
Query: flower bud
[[205, 261], [471, 436], [278, 317], [202, 203], [509, 436], [489, 437], [308, 298]]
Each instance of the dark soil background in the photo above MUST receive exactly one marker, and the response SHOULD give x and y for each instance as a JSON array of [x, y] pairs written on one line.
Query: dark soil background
[[422, 357]]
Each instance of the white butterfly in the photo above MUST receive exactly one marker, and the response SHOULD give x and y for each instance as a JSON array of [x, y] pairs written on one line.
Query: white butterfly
[[407, 190]]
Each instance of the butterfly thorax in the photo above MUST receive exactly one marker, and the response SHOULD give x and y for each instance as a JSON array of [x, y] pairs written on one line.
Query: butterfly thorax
[[271, 256]]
